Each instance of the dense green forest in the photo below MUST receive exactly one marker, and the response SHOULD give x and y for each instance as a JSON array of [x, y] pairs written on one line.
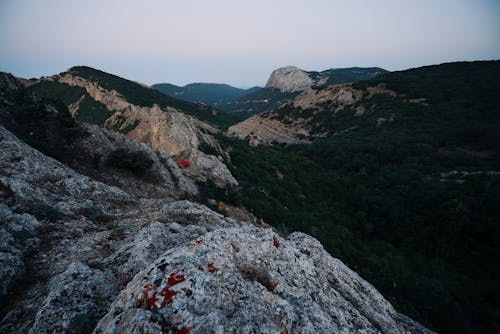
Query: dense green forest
[[385, 197]]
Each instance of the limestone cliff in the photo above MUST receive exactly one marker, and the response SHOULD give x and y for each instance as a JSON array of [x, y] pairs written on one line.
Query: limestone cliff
[[289, 79], [166, 129]]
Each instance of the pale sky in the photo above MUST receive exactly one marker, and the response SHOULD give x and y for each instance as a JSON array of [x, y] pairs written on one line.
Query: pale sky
[[240, 42]]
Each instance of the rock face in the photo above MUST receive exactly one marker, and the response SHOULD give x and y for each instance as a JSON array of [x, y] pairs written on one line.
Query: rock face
[[8, 81], [289, 79], [175, 133], [262, 129], [112, 260], [249, 280]]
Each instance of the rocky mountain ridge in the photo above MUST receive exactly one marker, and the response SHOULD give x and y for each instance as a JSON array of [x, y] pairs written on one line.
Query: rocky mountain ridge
[[114, 255], [167, 129]]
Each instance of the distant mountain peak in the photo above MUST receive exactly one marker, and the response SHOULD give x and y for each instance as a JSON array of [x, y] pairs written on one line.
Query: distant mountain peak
[[290, 79]]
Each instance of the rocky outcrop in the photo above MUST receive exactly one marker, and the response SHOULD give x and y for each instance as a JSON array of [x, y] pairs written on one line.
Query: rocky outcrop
[[167, 178], [289, 79], [250, 280], [110, 260], [9, 82], [262, 129], [166, 129]]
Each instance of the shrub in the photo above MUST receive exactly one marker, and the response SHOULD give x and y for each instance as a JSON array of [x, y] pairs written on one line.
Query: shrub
[[136, 162]]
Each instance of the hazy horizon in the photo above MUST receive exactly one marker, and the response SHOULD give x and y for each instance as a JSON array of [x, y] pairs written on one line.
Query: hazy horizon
[[240, 43]]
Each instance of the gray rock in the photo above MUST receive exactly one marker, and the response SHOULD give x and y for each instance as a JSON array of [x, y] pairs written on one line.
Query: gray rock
[[289, 79], [75, 292], [246, 280], [17, 238]]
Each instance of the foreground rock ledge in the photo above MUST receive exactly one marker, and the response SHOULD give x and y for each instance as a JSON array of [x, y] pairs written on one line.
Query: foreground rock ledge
[[249, 280]]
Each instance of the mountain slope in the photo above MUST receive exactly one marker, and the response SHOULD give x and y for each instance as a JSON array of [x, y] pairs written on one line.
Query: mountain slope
[[207, 93], [81, 255], [400, 179], [104, 99]]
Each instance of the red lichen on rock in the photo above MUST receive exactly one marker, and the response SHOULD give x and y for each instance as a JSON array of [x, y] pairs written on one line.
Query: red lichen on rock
[[167, 295], [149, 297], [175, 278], [276, 242], [211, 267], [184, 330], [198, 241]]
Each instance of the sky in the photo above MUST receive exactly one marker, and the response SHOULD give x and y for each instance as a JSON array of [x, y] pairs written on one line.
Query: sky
[[240, 42]]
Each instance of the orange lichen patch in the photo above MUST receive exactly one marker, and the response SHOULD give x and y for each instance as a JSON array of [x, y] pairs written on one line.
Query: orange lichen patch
[[276, 242], [175, 278], [198, 241], [211, 267]]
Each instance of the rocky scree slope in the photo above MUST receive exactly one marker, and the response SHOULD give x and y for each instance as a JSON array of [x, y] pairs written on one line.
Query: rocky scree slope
[[161, 127], [80, 255]]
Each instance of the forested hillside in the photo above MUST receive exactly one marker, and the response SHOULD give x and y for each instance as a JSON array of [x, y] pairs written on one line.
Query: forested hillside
[[410, 202]]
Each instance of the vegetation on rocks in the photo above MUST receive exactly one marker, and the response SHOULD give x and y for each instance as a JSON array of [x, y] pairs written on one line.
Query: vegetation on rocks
[[137, 162]]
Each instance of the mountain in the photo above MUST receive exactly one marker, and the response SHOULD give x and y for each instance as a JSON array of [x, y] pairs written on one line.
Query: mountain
[[287, 82], [143, 114], [292, 79], [398, 176], [207, 93], [97, 236]]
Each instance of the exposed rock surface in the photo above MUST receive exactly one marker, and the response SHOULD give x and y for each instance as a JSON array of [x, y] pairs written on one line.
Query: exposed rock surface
[[165, 176], [289, 79], [261, 129], [247, 280], [8, 81], [166, 129]]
